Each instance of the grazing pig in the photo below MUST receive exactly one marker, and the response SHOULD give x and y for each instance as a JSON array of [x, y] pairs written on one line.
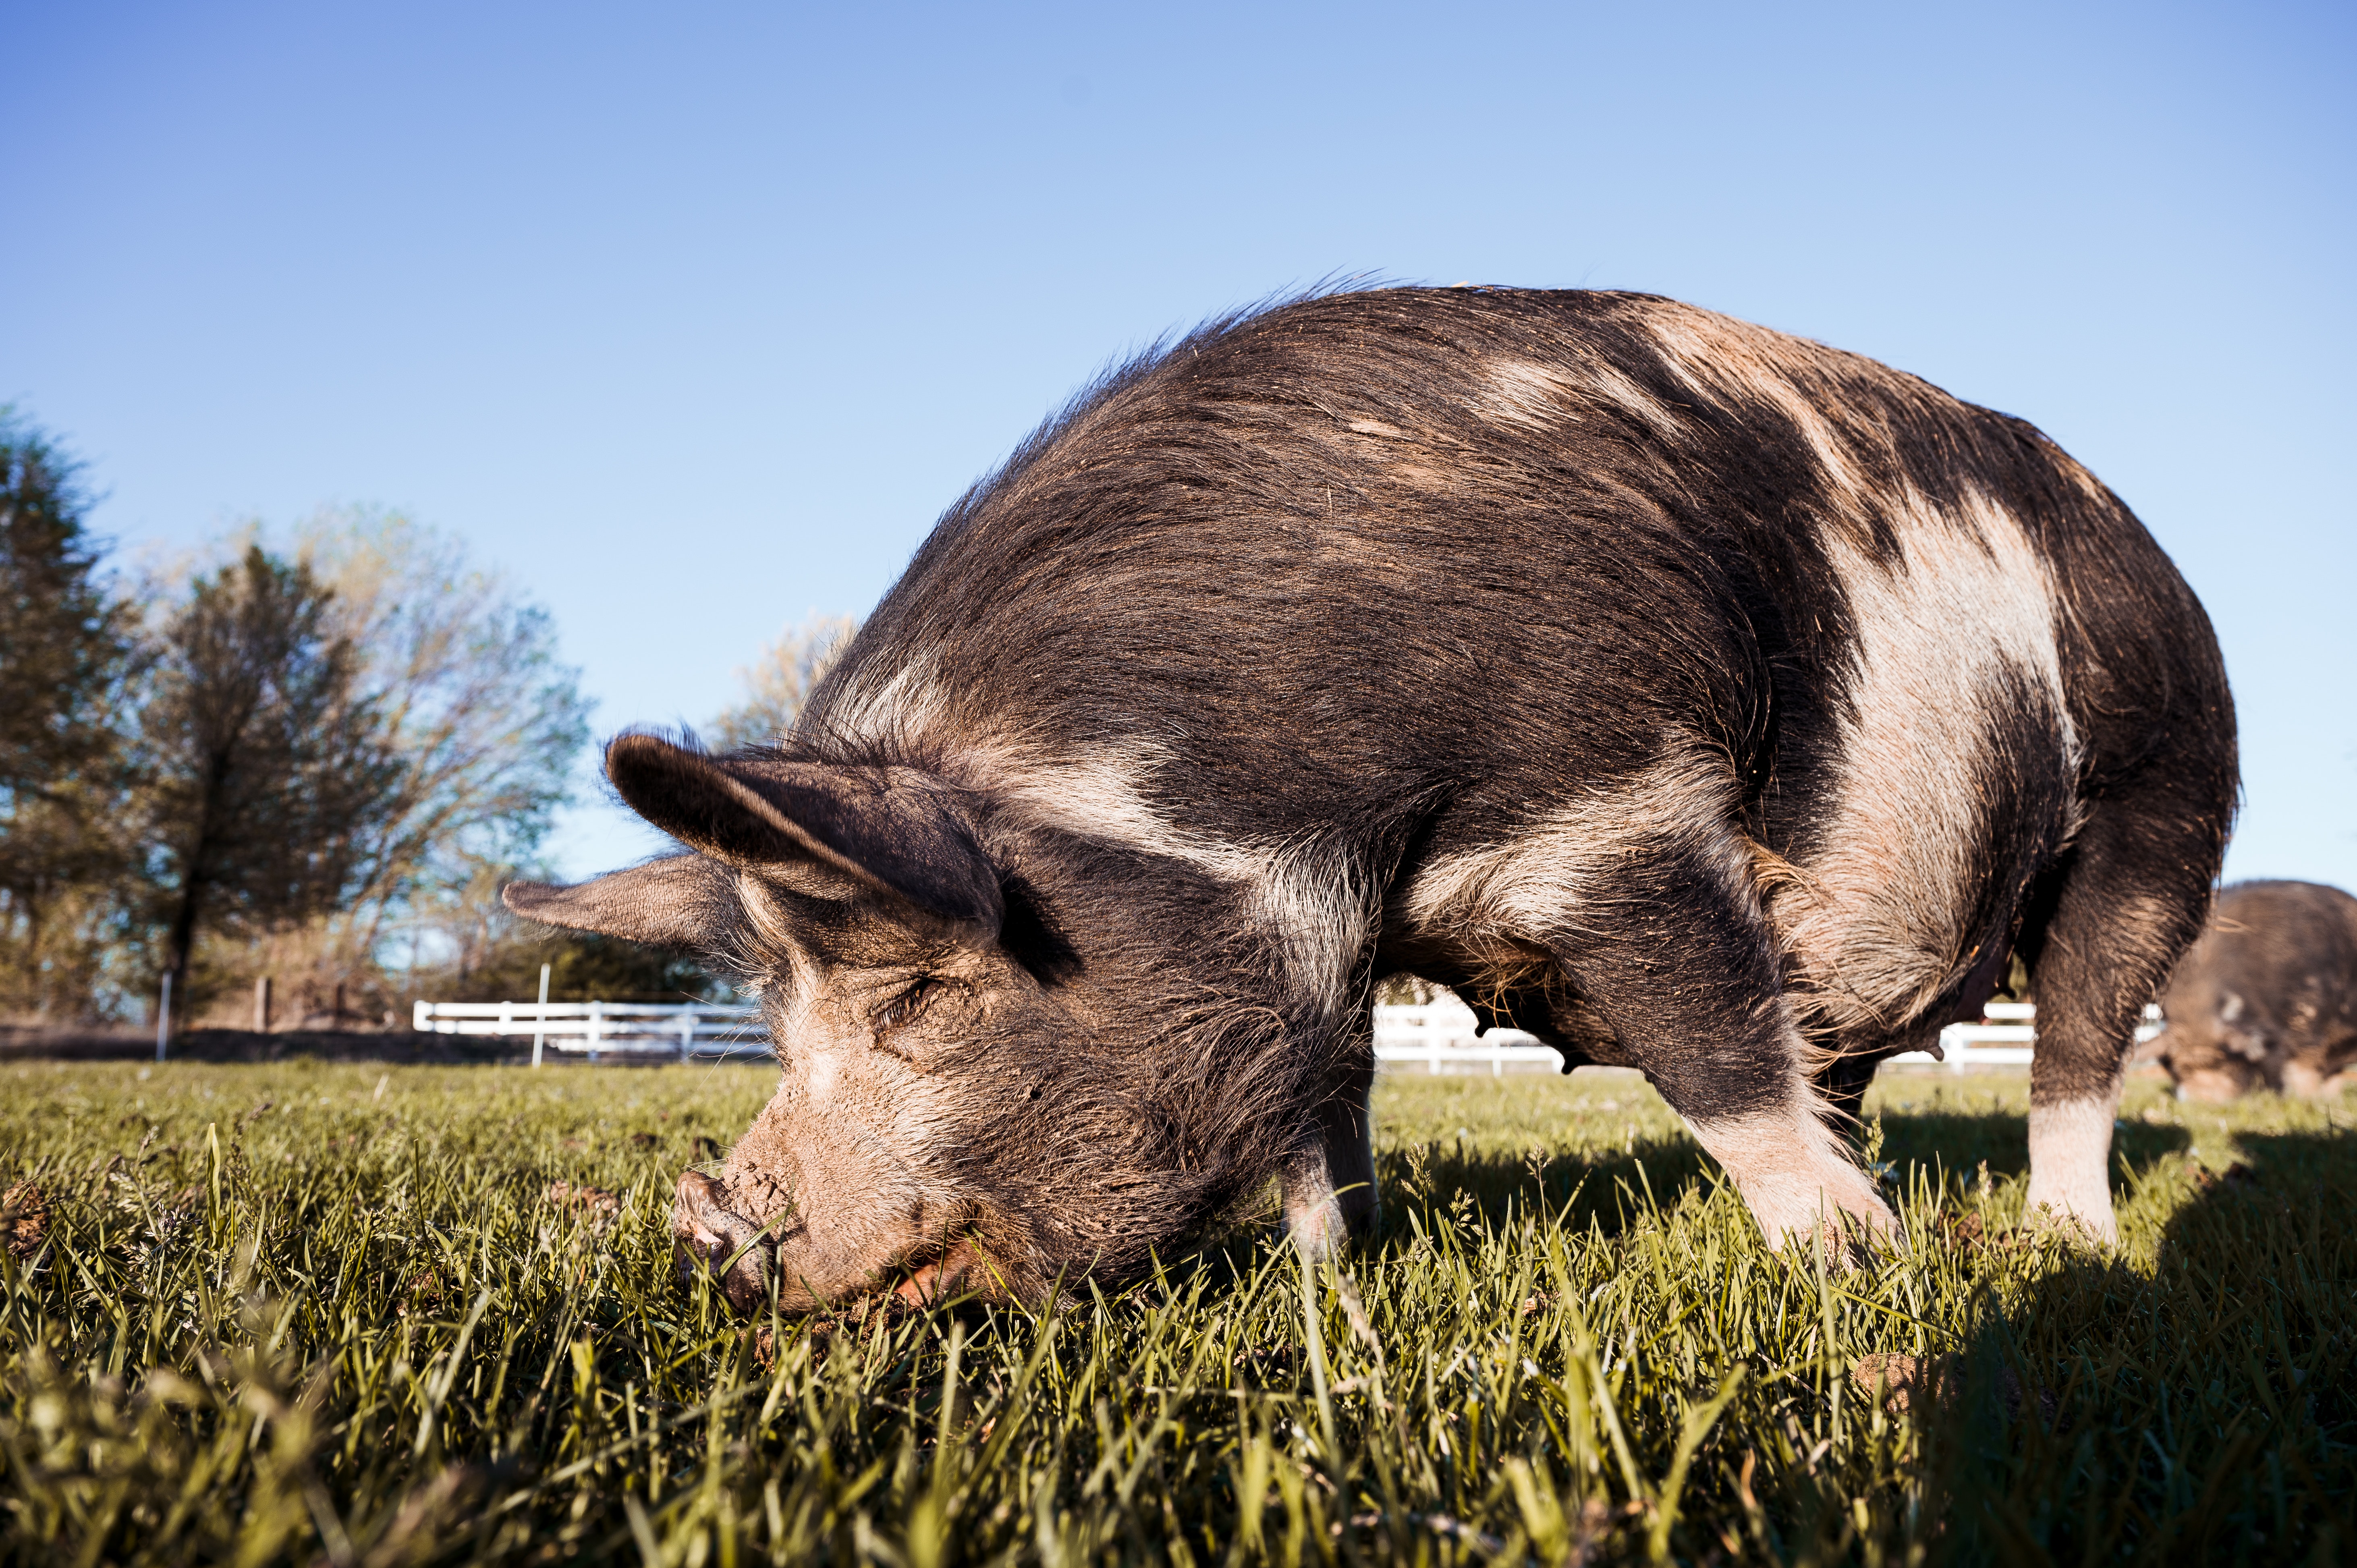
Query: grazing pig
[[2266, 997], [1697, 698]]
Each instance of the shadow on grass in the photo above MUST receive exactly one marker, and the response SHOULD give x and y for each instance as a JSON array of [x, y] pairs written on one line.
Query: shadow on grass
[[1962, 1141], [2204, 1412], [402, 1047], [1478, 1187], [1612, 1191], [2193, 1400]]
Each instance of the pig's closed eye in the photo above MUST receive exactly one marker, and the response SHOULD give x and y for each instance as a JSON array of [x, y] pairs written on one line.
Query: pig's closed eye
[[905, 1007]]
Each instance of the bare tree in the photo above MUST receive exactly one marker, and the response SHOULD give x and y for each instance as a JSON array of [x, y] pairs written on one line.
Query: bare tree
[[778, 683], [463, 675]]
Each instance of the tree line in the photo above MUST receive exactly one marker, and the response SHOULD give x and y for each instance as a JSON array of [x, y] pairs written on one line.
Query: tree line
[[315, 759]]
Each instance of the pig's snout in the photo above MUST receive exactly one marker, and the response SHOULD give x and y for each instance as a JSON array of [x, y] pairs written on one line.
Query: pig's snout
[[708, 1238]]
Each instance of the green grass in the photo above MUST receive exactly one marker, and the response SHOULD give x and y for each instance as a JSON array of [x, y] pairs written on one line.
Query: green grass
[[332, 1314]]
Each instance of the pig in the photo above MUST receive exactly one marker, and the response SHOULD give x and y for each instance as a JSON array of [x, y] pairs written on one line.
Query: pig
[[1698, 698], [2266, 997]]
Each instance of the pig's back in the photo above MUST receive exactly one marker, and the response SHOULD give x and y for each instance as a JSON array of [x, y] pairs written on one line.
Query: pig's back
[[1368, 549]]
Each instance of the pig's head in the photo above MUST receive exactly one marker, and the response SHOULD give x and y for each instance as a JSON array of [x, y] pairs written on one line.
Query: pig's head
[[2216, 1046], [970, 1099]]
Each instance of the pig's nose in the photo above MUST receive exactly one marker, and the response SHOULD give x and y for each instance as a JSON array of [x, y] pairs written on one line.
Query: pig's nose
[[706, 1236]]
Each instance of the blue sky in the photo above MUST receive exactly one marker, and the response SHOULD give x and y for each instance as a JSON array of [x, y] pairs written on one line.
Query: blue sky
[[694, 317]]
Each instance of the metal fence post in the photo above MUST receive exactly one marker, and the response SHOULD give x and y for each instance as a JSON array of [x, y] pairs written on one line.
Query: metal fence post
[[539, 1019], [164, 1016]]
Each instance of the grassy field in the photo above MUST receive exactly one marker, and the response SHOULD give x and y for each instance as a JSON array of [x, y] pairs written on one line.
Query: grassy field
[[343, 1314]]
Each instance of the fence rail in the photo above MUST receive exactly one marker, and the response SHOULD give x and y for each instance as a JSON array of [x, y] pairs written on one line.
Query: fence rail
[[596, 1029], [1438, 1035]]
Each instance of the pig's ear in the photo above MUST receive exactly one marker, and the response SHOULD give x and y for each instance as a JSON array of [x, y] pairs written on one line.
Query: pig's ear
[[668, 902], [847, 824]]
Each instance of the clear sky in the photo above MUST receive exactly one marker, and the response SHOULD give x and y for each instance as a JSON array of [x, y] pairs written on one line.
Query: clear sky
[[694, 317]]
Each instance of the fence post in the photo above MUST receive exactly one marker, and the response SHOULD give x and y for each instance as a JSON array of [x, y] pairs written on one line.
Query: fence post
[[597, 1027], [164, 1016], [539, 1019], [688, 1032], [262, 1005]]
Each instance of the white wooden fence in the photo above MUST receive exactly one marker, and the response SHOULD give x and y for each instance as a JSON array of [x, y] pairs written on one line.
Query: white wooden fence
[[629, 1030], [1438, 1035]]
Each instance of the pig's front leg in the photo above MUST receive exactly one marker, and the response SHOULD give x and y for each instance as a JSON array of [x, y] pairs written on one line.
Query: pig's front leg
[[1647, 902], [1678, 957], [1330, 1182]]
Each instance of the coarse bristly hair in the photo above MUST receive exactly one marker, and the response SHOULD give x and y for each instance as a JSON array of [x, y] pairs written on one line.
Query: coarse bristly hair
[[1699, 698]]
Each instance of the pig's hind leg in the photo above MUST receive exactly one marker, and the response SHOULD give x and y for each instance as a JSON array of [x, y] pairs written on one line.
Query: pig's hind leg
[[2109, 923]]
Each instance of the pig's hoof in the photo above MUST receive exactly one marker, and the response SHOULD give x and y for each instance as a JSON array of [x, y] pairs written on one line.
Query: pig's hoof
[[1847, 1241], [2099, 1232], [1845, 1218]]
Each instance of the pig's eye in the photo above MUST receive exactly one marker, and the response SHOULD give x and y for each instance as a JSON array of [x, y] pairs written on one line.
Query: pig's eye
[[905, 1007]]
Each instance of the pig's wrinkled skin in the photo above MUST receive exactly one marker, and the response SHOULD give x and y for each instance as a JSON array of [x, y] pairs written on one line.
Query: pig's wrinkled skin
[[1699, 699], [2267, 998]]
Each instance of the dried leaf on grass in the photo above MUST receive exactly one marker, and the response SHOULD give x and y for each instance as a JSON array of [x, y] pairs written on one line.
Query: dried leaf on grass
[[588, 1200], [2237, 1176], [1919, 1384], [424, 1290], [23, 1219], [1968, 1234], [1904, 1381]]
